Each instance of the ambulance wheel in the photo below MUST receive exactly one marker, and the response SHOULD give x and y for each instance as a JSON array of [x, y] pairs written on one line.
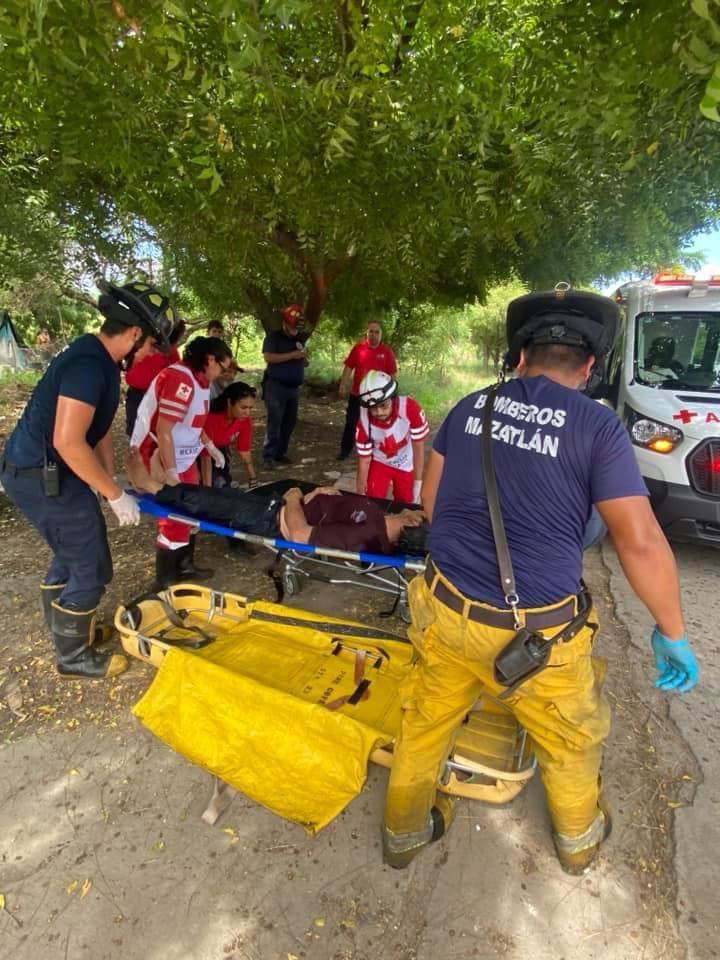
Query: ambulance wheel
[[291, 583]]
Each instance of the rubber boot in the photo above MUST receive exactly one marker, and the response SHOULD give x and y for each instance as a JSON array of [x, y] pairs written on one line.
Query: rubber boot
[[186, 564], [167, 568], [49, 592], [441, 816], [71, 633], [239, 548], [577, 854]]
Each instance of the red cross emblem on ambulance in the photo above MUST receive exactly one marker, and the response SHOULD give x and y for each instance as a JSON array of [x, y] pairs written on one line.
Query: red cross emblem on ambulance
[[685, 416]]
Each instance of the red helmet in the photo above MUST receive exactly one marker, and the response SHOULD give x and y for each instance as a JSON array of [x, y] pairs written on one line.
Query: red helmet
[[293, 315]]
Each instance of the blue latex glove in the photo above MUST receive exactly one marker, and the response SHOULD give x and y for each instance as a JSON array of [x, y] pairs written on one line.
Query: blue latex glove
[[675, 661]]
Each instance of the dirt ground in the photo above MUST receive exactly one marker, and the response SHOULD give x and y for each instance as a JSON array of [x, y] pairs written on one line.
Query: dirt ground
[[648, 770]]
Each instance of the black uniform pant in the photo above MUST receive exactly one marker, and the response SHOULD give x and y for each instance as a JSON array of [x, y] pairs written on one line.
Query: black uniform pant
[[133, 399], [73, 526], [352, 415], [281, 403]]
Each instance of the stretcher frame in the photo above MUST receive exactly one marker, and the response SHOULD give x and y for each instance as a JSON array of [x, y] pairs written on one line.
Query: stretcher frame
[[204, 612], [291, 566]]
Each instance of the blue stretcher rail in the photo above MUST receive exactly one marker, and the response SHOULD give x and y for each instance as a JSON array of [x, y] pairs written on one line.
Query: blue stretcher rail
[[150, 506]]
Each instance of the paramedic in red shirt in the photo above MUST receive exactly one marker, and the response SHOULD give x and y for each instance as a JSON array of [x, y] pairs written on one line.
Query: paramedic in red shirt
[[141, 373], [170, 436], [229, 424], [390, 439], [370, 354]]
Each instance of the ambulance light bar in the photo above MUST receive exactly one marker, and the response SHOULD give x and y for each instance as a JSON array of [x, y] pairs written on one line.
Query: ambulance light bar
[[674, 279]]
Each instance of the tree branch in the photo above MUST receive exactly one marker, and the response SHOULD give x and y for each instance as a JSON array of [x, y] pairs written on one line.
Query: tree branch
[[411, 15], [347, 19], [287, 241], [320, 282], [72, 294], [262, 308]]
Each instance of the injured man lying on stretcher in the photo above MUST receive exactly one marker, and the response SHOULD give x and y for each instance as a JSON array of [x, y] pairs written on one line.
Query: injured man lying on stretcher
[[324, 517]]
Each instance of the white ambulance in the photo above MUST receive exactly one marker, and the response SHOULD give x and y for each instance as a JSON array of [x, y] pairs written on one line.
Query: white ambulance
[[663, 378]]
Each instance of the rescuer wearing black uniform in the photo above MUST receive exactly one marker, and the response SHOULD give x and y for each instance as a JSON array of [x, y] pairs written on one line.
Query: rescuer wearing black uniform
[[59, 458]]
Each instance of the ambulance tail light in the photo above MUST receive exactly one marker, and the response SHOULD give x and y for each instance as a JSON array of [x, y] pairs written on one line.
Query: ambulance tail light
[[651, 434]]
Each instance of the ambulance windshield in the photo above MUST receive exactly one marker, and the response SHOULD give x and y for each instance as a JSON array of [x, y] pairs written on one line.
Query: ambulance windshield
[[678, 351]]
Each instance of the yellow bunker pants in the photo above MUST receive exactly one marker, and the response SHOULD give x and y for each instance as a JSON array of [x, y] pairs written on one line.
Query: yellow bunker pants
[[562, 708]]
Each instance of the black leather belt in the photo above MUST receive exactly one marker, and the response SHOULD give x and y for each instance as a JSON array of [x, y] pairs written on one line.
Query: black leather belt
[[9, 467], [503, 619]]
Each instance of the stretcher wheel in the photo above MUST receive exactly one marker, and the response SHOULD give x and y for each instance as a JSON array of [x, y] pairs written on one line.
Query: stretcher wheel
[[404, 611], [292, 584]]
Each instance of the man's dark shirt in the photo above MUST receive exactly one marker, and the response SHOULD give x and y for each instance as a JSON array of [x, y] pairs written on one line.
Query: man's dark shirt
[[83, 371], [291, 373]]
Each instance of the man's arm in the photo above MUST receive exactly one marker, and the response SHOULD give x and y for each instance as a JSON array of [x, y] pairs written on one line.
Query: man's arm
[[646, 559], [321, 491], [418, 449], [434, 471], [345, 381], [205, 469], [166, 446], [104, 453], [72, 422], [363, 468], [284, 357], [296, 527]]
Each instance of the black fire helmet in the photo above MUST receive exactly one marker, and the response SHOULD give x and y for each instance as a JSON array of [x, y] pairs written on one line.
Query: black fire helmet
[[567, 317]]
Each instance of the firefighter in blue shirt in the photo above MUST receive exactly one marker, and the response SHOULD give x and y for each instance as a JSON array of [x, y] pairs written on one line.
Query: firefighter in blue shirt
[[556, 453], [59, 458]]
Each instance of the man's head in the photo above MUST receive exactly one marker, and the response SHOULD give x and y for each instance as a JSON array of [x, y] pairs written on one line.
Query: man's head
[[216, 329], [376, 392], [661, 352], [561, 331], [374, 333], [293, 319], [135, 313], [209, 356]]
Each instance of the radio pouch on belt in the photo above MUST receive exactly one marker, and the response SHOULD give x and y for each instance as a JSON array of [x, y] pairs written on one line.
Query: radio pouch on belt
[[528, 652], [50, 476]]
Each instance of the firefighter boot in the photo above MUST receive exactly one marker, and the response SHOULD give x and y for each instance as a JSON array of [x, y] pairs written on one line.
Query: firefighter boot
[[400, 850], [71, 632], [50, 592], [187, 568], [576, 854], [167, 568]]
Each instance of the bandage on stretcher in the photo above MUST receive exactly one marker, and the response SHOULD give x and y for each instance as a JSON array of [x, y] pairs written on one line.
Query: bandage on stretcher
[[289, 706]]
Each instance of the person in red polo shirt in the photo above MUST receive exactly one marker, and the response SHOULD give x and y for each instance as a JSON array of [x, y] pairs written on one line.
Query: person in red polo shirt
[[369, 354]]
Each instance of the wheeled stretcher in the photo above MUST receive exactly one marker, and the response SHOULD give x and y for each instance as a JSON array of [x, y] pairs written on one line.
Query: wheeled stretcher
[[288, 706], [295, 563]]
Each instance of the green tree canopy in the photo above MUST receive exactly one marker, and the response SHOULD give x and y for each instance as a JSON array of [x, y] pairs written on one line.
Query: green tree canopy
[[365, 151]]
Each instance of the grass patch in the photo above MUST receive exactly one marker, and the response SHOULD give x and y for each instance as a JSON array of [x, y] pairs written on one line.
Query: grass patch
[[8, 376]]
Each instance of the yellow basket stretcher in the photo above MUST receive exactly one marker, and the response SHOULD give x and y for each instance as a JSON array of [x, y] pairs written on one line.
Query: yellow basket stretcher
[[288, 706]]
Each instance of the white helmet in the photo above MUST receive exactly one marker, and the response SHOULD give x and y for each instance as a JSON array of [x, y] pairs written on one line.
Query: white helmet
[[376, 387]]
